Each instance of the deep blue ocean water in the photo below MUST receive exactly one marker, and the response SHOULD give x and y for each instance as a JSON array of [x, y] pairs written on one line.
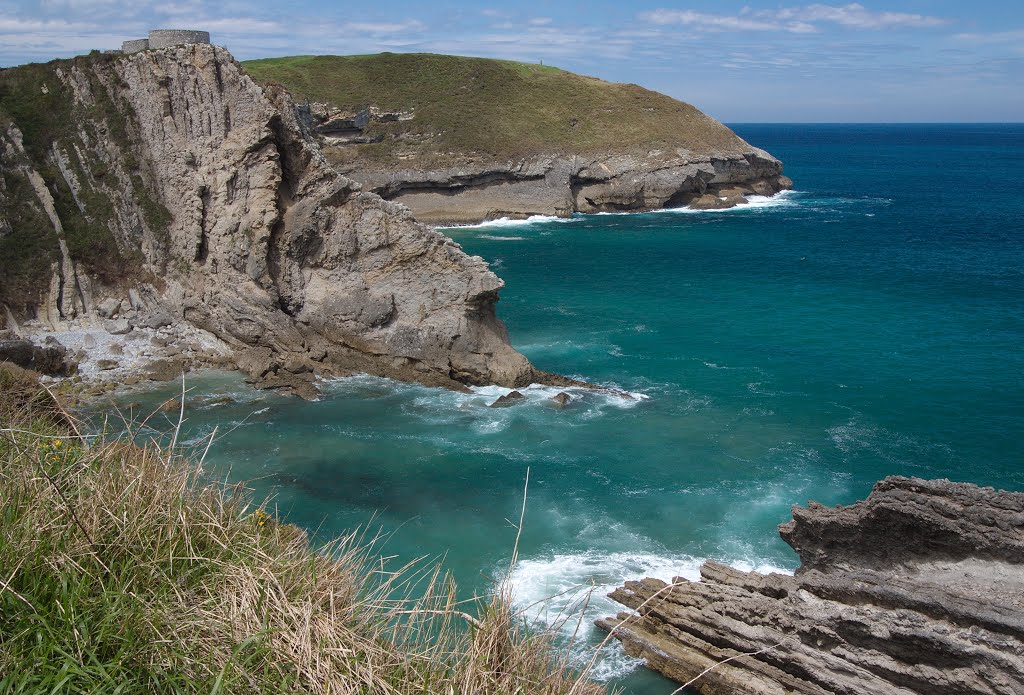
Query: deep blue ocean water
[[869, 323]]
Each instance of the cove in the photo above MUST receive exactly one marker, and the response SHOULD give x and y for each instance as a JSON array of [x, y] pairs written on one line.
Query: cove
[[867, 324]]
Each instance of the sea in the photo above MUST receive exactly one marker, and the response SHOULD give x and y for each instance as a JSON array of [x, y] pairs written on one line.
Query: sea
[[868, 323]]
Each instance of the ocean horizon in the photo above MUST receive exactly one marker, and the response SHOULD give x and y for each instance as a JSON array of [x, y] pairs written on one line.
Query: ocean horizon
[[868, 323]]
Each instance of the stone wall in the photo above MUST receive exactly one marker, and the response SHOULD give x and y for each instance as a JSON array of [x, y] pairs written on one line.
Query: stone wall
[[165, 38], [135, 45]]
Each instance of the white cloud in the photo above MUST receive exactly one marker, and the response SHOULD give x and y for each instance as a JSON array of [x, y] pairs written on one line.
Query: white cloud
[[857, 16], [712, 22], [996, 37], [796, 20], [384, 27]]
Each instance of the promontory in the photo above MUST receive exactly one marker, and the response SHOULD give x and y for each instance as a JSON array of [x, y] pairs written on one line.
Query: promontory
[[173, 208]]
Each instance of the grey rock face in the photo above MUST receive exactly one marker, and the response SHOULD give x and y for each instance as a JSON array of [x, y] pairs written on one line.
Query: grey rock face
[[265, 245], [561, 184], [918, 589], [287, 256]]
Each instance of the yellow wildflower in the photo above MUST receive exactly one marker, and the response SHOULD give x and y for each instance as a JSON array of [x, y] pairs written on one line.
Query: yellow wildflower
[[56, 442]]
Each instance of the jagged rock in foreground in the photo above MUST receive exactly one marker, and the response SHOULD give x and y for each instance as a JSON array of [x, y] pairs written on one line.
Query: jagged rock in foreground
[[168, 186], [918, 589]]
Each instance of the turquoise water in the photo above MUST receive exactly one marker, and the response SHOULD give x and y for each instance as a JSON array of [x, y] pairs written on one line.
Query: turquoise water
[[869, 323]]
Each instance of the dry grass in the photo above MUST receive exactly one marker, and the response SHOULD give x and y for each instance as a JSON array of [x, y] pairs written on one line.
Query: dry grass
[[120, 572]]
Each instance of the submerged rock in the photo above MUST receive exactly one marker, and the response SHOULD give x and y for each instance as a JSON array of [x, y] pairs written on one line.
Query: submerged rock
[[918, 589], [510, 398]]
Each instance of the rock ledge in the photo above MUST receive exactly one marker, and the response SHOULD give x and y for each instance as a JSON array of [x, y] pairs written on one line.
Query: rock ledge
[[918, 589]]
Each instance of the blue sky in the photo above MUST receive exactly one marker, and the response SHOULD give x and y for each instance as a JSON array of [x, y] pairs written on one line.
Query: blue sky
[[895, 60]]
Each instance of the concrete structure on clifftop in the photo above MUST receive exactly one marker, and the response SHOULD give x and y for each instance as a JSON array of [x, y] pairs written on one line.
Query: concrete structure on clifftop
[[165, 38]]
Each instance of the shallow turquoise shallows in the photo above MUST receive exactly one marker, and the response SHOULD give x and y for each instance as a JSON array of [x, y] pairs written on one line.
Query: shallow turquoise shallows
[[870, 323]]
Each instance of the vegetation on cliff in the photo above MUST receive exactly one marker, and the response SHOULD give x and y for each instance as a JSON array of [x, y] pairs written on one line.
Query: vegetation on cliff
[[69, 141], [120, 572], [493, 107]]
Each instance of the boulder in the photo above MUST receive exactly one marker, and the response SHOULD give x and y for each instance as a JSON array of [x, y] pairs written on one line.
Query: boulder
[[108, 308], [52, 359], [117, 326], [157, 320], [561, 399]]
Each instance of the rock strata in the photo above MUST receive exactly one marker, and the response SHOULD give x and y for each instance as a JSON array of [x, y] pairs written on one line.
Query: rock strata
[[226, 217], [918, 589], [561, 184]]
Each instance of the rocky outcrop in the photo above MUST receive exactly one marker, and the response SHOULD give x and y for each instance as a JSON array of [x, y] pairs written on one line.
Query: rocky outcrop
[[222, 213], [52, 360], [918, 589], [561, 184]]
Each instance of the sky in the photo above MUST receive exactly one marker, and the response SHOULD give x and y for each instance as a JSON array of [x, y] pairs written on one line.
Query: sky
[[755, 61]]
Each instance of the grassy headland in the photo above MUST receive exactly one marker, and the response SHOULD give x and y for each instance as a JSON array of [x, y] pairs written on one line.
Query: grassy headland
[[493, 107], [120, 572]]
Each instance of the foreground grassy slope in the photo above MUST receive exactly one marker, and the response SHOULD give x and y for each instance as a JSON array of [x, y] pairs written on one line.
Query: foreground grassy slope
[[120, 573], [495, 107]]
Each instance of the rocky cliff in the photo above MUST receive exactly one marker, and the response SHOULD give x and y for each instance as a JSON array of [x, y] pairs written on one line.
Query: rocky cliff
[[467, 139], [918, 589], [167, 186]]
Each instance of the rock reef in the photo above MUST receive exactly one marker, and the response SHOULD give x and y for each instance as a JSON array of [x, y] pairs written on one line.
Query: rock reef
[[917, 589], [167, 183]]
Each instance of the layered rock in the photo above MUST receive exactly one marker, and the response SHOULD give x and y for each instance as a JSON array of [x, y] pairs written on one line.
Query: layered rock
[[473, 188], [223, 214], [461, 140], [918, 589], [561, 184]]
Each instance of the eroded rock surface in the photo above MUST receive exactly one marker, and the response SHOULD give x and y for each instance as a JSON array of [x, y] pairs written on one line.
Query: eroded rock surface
[[220, 211], [561, 184], [918, 589]]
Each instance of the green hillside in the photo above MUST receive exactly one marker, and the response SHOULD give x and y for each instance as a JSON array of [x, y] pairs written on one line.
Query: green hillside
[[494, 107]]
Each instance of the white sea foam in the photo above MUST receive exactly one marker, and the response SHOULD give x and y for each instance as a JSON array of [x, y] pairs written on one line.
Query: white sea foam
[[567, 592], [781, 199], [492, 237], [509, 222], [539, 392]]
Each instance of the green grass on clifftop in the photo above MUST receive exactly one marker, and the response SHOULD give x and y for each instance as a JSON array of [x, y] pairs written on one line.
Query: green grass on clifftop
[[494, 107]]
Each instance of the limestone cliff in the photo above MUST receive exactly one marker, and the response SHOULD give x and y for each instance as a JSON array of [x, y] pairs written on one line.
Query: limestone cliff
[[172, 180], [561, 184], [918, 589], [466, 139]]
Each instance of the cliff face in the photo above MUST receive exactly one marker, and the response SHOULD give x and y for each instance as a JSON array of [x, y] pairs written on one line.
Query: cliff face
[[171, 174], [466, 139], [918, 589], [561, 184]]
